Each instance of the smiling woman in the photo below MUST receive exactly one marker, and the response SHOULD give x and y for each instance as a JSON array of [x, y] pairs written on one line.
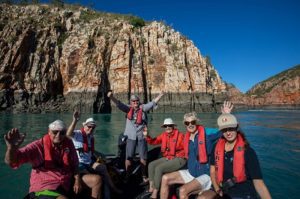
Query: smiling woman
[[171, 141], [235, 170]]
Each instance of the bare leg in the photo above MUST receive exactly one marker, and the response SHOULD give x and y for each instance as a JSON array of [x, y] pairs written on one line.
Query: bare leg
[[151, 186], [167, 180], [94, 182], [192, 187], [154, 193], [208, 195], [102, 170], [127, 164], [61, 197]]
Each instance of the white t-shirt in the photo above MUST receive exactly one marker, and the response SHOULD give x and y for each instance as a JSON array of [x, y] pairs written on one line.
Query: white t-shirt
[[84, 157]]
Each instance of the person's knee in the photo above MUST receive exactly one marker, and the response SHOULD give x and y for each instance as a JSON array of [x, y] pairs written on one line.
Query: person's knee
[[165, 179], [201, 197], [96, 180], [158, 170], [95, 165]]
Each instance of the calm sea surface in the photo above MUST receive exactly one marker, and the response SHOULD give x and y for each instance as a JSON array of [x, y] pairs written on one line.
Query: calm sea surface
[[275, 136]]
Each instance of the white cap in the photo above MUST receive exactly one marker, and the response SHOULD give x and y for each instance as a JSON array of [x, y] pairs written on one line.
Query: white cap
[[134, 97], [168, 121], [89, 121], [57, 125]]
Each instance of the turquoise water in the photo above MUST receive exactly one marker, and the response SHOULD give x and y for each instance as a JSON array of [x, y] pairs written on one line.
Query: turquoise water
[[275, 135]]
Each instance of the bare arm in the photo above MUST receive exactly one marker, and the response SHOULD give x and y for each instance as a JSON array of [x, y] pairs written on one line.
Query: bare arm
[[70, 131], [214, 181], [158, 97], [13, 140], [77, 183], [261, 189], [111, 96]]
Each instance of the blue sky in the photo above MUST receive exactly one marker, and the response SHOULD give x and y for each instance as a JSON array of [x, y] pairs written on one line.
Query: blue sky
[[247, 40]]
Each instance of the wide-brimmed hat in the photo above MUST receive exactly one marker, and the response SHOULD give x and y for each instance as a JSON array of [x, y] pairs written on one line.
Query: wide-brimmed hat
[[168, 121], [134, 98], [57, 125], [227, 120], [89, 121]]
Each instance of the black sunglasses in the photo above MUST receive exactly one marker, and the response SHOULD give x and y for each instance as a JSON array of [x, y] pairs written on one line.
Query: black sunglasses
[[91, 127], [63, 132], [228, 129], [168, 125], [186, 123]]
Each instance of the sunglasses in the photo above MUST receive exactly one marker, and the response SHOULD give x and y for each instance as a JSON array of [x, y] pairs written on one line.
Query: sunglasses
[[228, 129], [186, 123], [135, 100], [60, 132], [168, 125], [91, 127]]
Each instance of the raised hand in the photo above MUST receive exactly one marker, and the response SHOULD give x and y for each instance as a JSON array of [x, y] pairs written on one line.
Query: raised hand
[[145, 131], [162, 92], [110, 93], [14, 138], [76, 115], [227, 107]]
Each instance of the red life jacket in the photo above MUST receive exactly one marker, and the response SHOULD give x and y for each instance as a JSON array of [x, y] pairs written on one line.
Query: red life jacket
[[139, 116], [64, 160], [170, 142], [238, 160], [85, 142], [202, 154]]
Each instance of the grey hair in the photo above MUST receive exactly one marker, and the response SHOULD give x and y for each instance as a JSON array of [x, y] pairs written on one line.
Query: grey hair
[[192, 115]]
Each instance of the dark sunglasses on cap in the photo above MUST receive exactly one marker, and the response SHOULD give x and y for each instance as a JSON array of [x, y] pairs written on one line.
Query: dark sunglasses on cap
[[186, 123], [62, 132], [168, 125], [228, 129]]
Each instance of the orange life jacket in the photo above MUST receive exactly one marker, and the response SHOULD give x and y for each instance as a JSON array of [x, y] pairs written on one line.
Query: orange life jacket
[[238, 160], [85, 142], [202, 153], [63, 160], [172, 145], [139, 116]]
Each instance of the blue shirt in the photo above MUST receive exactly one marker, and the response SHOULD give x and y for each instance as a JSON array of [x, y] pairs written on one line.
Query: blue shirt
[[194, 166]]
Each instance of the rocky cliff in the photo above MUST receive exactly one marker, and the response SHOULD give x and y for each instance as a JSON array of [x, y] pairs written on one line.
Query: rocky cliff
[[281, 90], [54, 59]]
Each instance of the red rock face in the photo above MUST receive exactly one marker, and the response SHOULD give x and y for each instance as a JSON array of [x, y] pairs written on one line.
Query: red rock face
[[57, 52], [280, 90]]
